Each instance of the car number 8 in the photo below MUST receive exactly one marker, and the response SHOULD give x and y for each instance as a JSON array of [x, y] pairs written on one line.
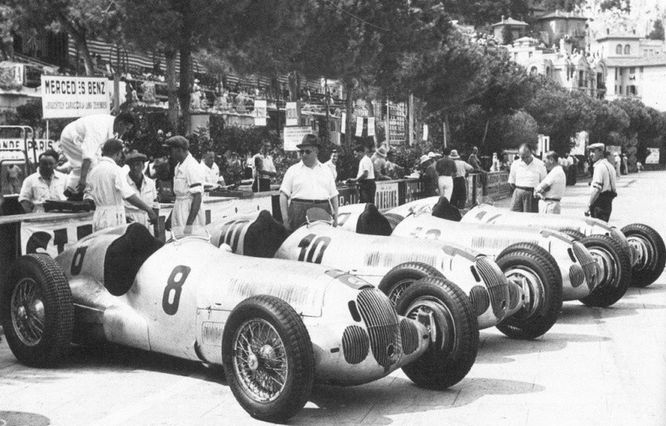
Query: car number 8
[[174, 287]]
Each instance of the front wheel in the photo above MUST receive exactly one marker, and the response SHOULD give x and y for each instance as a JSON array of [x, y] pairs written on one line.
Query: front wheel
[[402, 276], [453, 327], [535, 270], [615, 270], [267, 358], [36, 311], [651, 253]]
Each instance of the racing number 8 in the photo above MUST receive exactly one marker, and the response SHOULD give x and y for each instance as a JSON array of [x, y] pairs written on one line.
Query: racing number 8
[[174, 287]]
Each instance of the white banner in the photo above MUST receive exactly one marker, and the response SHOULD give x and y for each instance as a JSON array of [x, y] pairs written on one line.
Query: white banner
[[291, 114], [12, 149], [371, 126], [343, 123], [653, 157], [260, 112], [293, 136], [359, 126], [425, 132], [72, 97]]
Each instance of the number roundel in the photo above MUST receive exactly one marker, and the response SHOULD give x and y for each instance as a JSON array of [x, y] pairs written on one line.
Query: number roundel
[[173, 289]]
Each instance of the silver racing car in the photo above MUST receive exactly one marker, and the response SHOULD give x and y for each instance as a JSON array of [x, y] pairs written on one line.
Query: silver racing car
[[275, 326]]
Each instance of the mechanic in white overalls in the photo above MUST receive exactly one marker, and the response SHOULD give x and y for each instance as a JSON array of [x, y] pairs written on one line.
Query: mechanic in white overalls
[[107, 187], [187, 216], [142, 185]]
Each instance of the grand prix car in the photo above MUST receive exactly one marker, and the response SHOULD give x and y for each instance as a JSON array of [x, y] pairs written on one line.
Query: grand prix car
[[645, 246], [389, 262], [275, 326], [610, 271]]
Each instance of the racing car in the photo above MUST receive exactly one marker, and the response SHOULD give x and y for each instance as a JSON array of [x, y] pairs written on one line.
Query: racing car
[[388, 262], [275, 326], [644, 245]]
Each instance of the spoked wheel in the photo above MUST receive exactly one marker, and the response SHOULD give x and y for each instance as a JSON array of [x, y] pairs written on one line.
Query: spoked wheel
[[36, 311], [649, 246], [535, 270], [454, 333], [267, 358], [398, 279], [614, 270]]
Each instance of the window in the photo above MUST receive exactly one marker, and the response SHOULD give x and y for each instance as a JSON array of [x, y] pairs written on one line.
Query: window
[[620, 89], [617, 90], [631, 90], [640, 70], [627, 49], [616, 74], [645, 52], [534, 71], [632, 70], [618, 49]]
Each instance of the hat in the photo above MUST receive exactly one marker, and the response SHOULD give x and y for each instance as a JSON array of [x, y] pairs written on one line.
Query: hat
[[454, 154], [135, 155], [381, 151], [309, 140], [178, 142], [596, 146], [424, 159], [433, 155]]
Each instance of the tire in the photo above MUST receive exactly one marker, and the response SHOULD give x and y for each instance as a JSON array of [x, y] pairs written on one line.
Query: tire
[[279, 320], [542, 288], [573, 233], [398, 279], [653, 247], [452, 354], [609, 251], [37, 295]]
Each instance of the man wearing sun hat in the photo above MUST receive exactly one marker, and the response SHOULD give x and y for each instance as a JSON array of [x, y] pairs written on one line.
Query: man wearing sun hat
[[429, 176], [307, 184], [603, 186], [142, 185], [379, 163], [463, 168]]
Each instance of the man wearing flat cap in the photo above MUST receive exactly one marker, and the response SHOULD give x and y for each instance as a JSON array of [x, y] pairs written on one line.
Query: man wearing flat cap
[[603, 186], [187, 215], [307, 184], [142, 185]]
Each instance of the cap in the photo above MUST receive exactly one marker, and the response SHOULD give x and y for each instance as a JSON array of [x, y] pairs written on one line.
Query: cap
[[135, 155], [309, 140], [178, 142], [381, 151], [454, 154], [424, 158], [596, 146], [433, 155]]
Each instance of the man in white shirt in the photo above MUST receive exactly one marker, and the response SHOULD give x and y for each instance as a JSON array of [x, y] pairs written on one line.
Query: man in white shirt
[[211, 171], [45, 184], [82, 139], [107, 187], [603, 186], [187, 215], [307, 184], [263, 168], [551, 189], [526, 173], [332, 163], [142, 185], [463, 168], [365, 176]]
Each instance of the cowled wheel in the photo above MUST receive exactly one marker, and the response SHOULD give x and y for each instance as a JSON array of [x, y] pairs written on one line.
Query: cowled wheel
[[267, 358], [404, 275], [36, 311], [454, 332], [615, 270], [573, 233], [651, 253], [535, 270]]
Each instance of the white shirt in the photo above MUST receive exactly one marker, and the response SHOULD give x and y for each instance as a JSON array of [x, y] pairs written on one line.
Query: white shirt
[[83, 138], [309, 183], [211, 174], [556, 180], [36, 190], [266, 164], [147, 192], [107, 184], [603, 178], [366, 165], [462, 168], [333, 168], [527, 175], [188, 177]]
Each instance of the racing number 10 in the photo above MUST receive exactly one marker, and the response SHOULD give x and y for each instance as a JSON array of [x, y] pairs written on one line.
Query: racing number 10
[[171, 296], [309, 245]]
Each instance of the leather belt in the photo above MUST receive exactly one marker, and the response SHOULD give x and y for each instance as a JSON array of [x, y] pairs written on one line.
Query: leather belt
[[525, 188], [300, 200], [552, 199]]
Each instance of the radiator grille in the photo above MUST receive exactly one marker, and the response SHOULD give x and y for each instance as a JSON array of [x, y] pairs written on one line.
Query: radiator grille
[[382, 323], [409, 336], [496, 284], [355, 344]]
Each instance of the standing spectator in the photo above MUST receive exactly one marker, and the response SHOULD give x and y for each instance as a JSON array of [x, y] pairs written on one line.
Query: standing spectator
[[495, 165], [142, 185], [307, 184], [473, 160], [332, 163], [365, 176], [525, 175], [551, 189], [187, 215], [603, 185], [625, 164], [429, 177], [393, 170], [211, 171], [107, 186], [379, 163], [82, 139], [446, 170], [263, 168], [13, 179], [45, 184], [459, 195], [617, 163]]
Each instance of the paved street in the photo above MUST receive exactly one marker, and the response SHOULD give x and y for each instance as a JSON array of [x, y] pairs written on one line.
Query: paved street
[[595, 366]]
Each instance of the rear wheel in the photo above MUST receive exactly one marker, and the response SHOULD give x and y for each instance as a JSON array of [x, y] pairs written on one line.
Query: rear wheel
[[36, 311], [267, 358], [535, 270], [398, 279], [453, 327], [615, 270], [651, 253]]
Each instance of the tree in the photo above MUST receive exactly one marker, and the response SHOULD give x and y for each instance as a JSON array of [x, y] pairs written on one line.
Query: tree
[[657, 32], [486, 12]]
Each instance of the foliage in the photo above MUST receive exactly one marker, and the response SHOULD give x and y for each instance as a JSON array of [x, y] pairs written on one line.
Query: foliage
[[657, 32], [486, 12]]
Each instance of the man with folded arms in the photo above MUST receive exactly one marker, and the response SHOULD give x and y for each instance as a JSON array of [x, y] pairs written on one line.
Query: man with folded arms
[[551, 190]]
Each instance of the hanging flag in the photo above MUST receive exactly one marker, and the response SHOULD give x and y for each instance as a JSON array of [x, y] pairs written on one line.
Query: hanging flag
[[371, 126], [359, 126], [343, 123], [425, 132]]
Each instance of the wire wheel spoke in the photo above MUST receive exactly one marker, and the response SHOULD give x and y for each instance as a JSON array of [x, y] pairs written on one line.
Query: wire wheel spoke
[[27, 312]]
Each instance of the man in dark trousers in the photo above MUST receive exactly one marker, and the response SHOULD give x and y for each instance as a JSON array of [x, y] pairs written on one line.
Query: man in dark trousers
[[603, 186], [365, 176]]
